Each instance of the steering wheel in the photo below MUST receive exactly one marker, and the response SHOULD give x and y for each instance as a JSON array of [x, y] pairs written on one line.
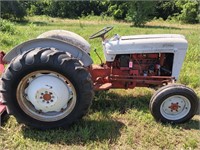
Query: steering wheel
[[101, 33]]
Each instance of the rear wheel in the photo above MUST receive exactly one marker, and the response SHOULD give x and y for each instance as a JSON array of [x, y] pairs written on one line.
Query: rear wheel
[[45, 88], [174, 104]]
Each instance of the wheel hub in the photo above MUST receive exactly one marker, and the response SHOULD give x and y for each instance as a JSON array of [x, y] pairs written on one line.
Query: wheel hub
[[48, 93], [175, 107], [47, 97]]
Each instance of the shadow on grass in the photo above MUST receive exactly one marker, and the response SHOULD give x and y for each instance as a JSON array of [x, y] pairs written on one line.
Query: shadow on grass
[[192, 124], [159, 27], [40, 23], [87, 131], [111, 102], [107, 102], [82, 133], [37, 23]]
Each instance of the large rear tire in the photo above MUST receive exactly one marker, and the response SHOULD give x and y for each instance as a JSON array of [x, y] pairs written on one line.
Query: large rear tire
[[174, 103], [45, 88]]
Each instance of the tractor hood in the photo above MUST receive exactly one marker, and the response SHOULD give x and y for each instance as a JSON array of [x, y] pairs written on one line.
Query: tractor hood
[[151, 36], [145, 44]]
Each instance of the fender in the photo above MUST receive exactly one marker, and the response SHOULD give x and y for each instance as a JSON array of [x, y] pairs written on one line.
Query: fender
[[75, 51], [69, 37]]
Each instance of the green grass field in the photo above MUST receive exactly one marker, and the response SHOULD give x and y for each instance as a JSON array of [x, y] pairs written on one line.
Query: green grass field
[[117, 119]]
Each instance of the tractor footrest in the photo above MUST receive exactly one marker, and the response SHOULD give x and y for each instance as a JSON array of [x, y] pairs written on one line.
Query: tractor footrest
[[105, 86]]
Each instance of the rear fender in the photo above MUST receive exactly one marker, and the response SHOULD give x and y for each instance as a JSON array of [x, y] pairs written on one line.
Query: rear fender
[[48, 42]]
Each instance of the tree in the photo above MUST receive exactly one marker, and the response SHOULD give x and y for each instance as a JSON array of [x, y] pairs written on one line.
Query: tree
[[140, 12], [165, 9], [118, 9], [13, 10], [189, 12]]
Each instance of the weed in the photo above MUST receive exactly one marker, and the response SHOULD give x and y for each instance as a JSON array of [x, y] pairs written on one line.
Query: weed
[[7, 26]]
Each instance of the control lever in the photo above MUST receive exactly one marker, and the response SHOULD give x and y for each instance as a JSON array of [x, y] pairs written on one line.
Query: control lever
[[95, 50]]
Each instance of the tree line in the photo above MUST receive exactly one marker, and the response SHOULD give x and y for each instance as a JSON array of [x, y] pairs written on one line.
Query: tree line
[[139, 12]]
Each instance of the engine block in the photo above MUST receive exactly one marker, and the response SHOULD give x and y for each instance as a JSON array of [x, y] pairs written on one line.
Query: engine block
[[150, 64], [130, 70]]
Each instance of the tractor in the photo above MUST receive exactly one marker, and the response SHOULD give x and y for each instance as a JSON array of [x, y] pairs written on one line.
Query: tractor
[[49, 82]]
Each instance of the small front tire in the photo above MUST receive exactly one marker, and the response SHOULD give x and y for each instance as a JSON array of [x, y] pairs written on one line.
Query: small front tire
[[174, 104]]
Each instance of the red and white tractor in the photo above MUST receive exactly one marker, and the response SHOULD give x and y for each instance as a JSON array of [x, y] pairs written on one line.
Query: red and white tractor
[[50, 81]]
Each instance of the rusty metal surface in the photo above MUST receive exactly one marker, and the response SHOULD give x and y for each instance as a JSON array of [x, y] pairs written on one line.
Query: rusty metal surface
[[105, 77], [2, 106], [2, 54]]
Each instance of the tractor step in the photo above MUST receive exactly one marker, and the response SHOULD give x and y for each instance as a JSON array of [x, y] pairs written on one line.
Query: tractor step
[[105, 86]]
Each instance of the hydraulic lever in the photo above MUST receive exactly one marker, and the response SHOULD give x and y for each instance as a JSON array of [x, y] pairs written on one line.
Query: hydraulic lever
[[95, 50]]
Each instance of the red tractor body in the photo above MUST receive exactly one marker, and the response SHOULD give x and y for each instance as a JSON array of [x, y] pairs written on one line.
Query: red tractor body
[[129, 71], [2, 106]]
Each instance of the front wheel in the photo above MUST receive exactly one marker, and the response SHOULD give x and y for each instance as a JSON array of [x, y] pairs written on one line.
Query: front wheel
[[45, 88], [174, 104]]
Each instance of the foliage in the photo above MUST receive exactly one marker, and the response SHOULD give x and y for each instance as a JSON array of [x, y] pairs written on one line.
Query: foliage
[[140, 12], [166, 9], [67, 9], [13, 10], [118, 10], [189, 11], [7, 26]]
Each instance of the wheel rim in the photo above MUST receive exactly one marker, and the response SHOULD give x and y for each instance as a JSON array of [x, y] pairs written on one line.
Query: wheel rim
[[46, 95], [175, 107]]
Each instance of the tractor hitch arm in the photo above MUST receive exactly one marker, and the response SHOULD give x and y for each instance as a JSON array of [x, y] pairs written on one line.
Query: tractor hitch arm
[[2, 67], [2, 106]]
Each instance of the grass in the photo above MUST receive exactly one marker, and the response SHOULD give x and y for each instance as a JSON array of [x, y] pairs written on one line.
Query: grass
[[117, 119]]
